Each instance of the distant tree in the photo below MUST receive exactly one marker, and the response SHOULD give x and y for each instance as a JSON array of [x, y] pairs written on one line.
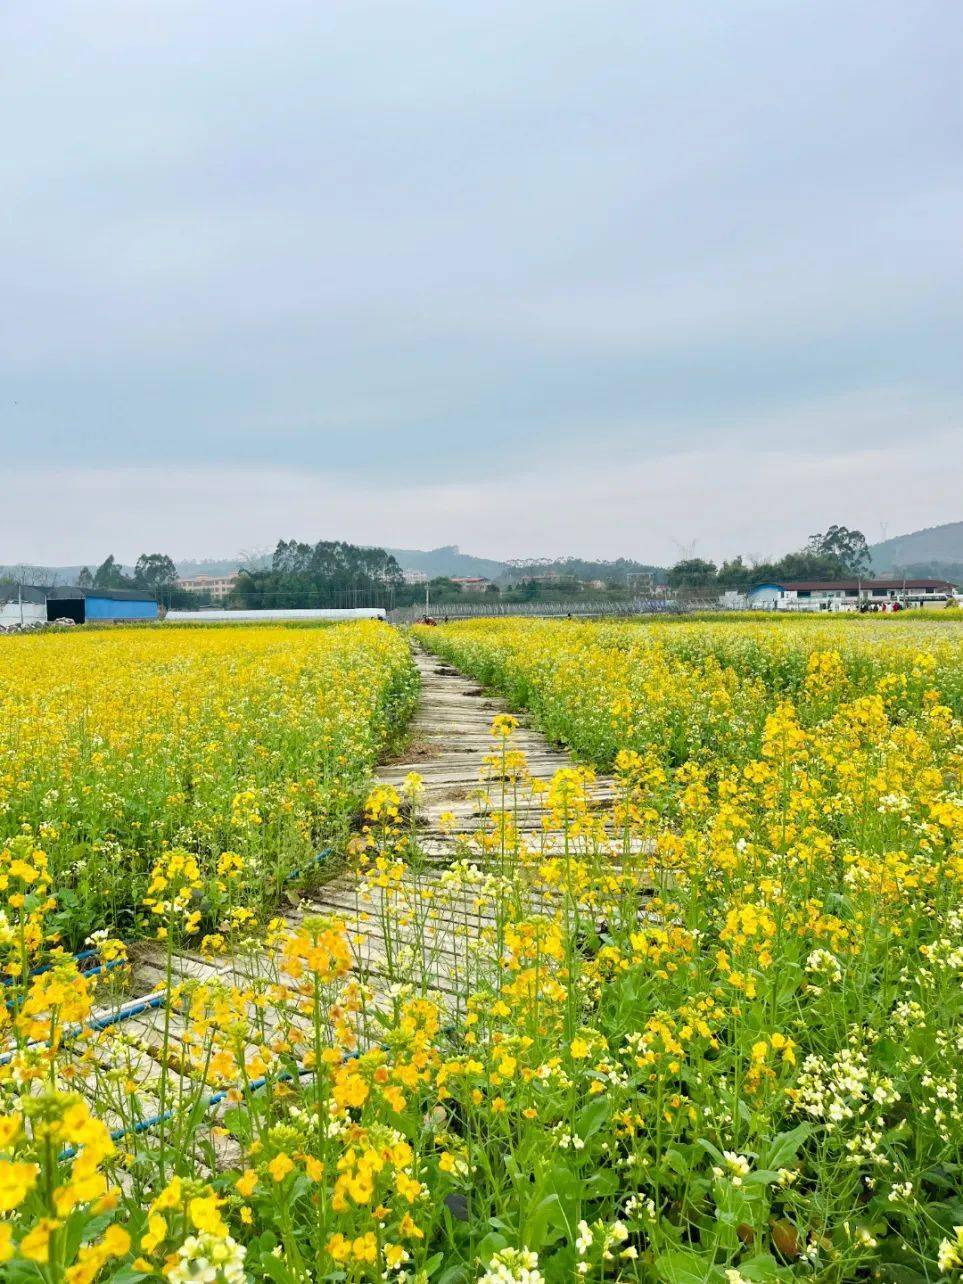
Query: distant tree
[[23, 573], [291, 557], [807, 565], [735, 574], [154, 571], [329, 573], [849, 546], [493, 590], [443, 589], [692, 572], [110, 575], [85, 579]]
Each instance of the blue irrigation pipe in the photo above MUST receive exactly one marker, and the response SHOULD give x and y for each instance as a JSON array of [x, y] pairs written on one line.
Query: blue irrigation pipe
[[151, 1002], [100, 1023], [94, 971], [319, 859], [45, 967], [215, 1099]]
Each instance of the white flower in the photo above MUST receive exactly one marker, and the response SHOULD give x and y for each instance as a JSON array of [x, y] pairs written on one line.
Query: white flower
[[513, 1266], [738, 1166], [950, 1256], [205, 1259]]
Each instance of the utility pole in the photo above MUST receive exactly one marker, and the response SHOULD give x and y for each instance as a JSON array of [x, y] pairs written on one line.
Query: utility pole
[[20, 601], [426, 599]]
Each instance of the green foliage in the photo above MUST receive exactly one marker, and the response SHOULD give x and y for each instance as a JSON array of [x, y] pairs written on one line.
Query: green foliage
[[154, 571], [330, 573], [623, 572], [848, 546], [692, 572], [837, 554], [110, 575]]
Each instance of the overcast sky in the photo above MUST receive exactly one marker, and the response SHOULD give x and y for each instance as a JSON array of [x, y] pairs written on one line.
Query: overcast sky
[[535, 278]]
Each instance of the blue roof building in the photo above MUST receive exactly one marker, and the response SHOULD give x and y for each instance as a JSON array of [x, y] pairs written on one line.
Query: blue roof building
[[85, 605]]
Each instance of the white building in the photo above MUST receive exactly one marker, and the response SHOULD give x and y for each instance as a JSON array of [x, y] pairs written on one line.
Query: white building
[[848, 595], [414, 577], [22, 604], [733, 600], [224, 616], [218, 586]]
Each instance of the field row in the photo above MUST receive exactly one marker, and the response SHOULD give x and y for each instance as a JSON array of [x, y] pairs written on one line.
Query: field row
[[773, 1048], [252, 749]]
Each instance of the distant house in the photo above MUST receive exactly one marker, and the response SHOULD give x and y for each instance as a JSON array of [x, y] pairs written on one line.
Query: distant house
[[84, 605], [414, 577], [847, 595], [471, 583], [33, 604], [218, 586], [22, 604]]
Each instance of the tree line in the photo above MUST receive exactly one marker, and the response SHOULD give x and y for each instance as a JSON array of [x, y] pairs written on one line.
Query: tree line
[[330, 573], [835, 554], [334, 573]]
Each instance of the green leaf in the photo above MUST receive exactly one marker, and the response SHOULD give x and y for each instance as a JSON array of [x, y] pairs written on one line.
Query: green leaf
[[275, 1269], [595, 1114], [602, 1184], [762, 1267], [490, 1245], [712, 1150], [785, 1147], [536, 1232], [760, 1177], [564, 1183], [684, 1266], [454, 1275], [678, 1163]]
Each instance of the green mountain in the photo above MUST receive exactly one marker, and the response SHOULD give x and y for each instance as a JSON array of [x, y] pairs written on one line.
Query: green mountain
[[935, 551], [449, 560], [622, 571]]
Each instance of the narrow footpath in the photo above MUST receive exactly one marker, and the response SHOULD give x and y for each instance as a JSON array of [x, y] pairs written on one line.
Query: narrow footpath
[[418, 927]]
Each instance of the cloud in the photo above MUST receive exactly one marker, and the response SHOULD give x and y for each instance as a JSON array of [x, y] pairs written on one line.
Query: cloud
[[422, 247], [595, 500]]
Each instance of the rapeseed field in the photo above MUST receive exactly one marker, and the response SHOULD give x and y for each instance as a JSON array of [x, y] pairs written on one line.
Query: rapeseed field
[[690, 1010]]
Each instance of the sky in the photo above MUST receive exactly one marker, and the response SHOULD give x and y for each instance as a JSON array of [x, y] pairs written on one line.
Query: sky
[[619, 279]]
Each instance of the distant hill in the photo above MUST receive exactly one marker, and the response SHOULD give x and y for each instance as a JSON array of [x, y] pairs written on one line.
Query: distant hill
[[448, 560], [68, 574], [44, 575], [221, 565], [622, 571], [936, 551]]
